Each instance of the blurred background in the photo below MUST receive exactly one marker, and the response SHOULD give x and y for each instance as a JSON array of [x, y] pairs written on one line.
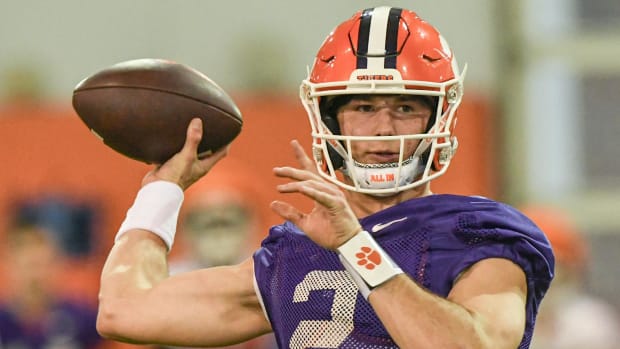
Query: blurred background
[[539, 124]]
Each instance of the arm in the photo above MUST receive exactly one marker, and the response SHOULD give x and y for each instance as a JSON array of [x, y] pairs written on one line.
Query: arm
[[485, 309], [140, 303]]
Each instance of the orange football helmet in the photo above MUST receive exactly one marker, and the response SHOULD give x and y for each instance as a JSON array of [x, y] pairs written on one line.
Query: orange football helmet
[[383, 50]]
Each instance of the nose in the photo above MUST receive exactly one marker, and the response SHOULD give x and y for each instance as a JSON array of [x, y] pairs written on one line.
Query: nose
[[384, 122]]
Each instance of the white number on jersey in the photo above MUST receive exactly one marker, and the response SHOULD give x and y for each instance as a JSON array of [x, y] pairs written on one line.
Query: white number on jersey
[[326, 333]]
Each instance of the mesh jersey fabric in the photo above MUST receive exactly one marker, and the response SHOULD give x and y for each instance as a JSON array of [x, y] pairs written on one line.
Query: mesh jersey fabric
[[312, 302]]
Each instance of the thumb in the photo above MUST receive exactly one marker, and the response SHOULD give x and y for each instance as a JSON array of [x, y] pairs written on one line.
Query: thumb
[[193, 136]]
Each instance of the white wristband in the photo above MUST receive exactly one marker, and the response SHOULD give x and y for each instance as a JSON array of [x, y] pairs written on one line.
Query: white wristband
[[155, 209], [368, 263]]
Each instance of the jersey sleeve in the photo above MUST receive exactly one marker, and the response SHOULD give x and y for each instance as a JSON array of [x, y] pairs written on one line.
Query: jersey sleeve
[[506, 233]]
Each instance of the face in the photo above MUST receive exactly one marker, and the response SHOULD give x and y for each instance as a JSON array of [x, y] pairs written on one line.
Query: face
[[383, 115]]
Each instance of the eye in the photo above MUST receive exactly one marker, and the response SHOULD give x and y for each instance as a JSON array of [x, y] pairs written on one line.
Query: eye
[[365, 107], [405, 108], [360, 106]]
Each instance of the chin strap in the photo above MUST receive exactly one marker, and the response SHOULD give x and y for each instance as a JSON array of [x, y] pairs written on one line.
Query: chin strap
[[384, 176]]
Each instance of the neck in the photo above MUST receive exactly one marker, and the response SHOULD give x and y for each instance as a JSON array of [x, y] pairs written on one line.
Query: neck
[[364, 204]]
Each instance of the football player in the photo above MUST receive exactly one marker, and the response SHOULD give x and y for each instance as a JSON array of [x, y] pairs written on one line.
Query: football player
[[380, 261]]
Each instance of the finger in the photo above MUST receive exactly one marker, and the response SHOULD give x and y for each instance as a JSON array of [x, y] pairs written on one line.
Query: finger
[[322, 198], [320, 192], [302, 158], [287, 211], [293, 187], [193, 137], [296, 174], [329, 200]]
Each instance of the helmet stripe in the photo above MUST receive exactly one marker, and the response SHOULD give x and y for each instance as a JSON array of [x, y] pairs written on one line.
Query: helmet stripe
[[362, 39], [376, 40], [391, 40]]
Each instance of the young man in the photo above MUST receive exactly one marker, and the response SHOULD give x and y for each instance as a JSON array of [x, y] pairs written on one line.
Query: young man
[[380, 262]]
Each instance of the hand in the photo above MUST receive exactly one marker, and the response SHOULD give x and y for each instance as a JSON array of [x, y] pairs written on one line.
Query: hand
[[185, 168], [331, 222]]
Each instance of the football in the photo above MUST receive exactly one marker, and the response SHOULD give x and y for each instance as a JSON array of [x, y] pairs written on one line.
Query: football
[[141, 108]]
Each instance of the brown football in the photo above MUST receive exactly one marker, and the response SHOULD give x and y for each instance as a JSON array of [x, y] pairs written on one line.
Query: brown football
[[141, 108]]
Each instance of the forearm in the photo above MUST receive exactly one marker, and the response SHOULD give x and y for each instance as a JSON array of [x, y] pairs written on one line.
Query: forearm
[[136, 263], [138, 259], [416, 318]]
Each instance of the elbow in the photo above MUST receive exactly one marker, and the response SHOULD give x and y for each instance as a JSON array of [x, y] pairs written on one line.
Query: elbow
[[494, 337], [116, 321], [105, 320], [110, 321]]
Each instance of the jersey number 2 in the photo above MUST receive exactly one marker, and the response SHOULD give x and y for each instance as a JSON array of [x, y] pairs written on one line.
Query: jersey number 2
[[326, 333]]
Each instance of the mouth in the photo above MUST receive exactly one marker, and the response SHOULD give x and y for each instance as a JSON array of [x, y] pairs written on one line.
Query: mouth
[[381, 157]]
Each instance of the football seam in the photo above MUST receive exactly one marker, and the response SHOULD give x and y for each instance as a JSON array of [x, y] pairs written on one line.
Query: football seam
[[240, 120]]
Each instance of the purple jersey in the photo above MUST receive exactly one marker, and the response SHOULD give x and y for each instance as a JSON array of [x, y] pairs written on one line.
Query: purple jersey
[[312, 302]]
